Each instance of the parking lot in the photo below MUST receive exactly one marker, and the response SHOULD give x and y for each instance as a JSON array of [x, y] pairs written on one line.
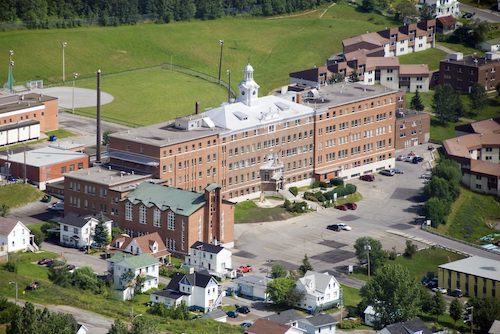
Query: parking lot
[[390, 204]]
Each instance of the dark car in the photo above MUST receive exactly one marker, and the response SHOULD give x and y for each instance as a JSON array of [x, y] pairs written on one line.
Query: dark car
[[334, 227], [242, 309], [351, 206], [417, 159], [12, 178], [341, 207], [468, 15], [44, 262], [367, 177], [456, 293], [246, 325], [232, 314]]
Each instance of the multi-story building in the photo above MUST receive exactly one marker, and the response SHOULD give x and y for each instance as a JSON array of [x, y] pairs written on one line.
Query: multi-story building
[[412, 128], [25, 116], [264, 143], [79, 231], [443, 7], [475, 276], [462, 72], [214, 258]]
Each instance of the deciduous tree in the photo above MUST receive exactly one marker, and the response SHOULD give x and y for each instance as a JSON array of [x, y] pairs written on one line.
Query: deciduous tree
[[447, 104], [438, 306], [278, 270], [279, 289], [305, 266], [436, 209], [378, 256], [478, 98], [456, 310]]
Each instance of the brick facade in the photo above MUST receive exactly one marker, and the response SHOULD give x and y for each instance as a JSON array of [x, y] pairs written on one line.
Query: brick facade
[[412, 128]]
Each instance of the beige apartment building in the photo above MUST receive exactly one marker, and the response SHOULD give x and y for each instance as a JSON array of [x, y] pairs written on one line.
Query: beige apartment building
[[267, 143]]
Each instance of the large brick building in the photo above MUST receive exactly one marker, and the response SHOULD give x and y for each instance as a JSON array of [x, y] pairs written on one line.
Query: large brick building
[[412, 128], [262, 144], [25, 116]]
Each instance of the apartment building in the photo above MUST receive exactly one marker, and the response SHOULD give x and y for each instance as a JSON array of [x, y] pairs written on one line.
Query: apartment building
[[462, 72], [25, 116], [412, 128], [443, 7], [266, 143]]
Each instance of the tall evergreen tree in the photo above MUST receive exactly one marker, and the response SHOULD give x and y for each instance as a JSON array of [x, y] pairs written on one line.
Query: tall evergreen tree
[[456, 310], [416, 102], [101, 234], [305, 266], [478, 98]]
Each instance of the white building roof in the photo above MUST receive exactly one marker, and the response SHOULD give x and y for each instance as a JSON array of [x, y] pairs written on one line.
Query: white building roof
[[477, 266], [44, 156]]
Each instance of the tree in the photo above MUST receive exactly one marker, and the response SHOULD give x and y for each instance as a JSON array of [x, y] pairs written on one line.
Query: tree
[[32, 321], [305, 266], [485, 311], [101, 233], [425, 300], [354, 77], [393, 293], [105, 137], [60, 276], [471, 33], [118, 327], [416, 102], [438, 187], [278, 271], [497, 88], [456, 310], [478, 98], [367, 6], [4, 210], [142, 325], [438, 306], [377, 255], [426, 12], [411, 249], [279, 289], [448, 170], [39, 236], [447, 104], [406, 12], [436, 210]]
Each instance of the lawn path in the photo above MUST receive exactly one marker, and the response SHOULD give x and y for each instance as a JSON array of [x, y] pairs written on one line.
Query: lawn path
[[326, 10], [289, 16]]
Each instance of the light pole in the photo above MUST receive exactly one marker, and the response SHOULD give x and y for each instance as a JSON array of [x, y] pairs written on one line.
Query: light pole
[[10, 78], [132, 316], [368, 248], [17, 290], [75, 76], [63, 46], [471, 318], [229, 87], [221, 42]]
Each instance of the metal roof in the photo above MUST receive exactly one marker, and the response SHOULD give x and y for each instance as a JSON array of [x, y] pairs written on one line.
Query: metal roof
[[44, 156], [476, 266]]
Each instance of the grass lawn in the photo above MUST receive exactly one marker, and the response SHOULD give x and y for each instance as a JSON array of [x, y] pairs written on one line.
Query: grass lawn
[[461, 48], [60, 133], [431, 57], [19, 194], [472, 216], [249, 212], [153, 95], [351, 296], [356, 197]]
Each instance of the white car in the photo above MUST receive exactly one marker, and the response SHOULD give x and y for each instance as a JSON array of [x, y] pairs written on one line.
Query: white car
[[401, 157], [440, 290], [426, 176], [59, 206], [344, 227]]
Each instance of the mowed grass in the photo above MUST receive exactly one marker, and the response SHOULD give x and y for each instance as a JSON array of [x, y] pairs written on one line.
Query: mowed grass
[[249, 212], [350, 295], [153, 95], [431, 57], [16, 195], [461, 48], [60, 133], [472, 216], [274, 47]]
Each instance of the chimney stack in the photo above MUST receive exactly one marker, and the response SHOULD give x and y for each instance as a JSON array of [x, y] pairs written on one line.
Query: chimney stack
[[196, 108], [98, 115]]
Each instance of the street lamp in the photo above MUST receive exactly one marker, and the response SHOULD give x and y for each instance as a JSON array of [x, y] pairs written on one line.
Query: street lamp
[[221, 42], [132, 316], [10, 78], [63, 46], [368, 248], [75, 76], [17, 290], [229, 87]]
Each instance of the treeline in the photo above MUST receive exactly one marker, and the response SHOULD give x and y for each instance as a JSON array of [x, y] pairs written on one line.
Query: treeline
[[70, 13]]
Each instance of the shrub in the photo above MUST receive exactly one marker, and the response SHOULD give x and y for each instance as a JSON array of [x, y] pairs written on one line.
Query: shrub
[[294, 191], [336, 182], [170, 271], [315, 184], [350, 189], [11, 266], [323, 185], [310, 197], [350, 324], [411, 249], [287, 205], [297, 207], [319, 196], [393, 254]]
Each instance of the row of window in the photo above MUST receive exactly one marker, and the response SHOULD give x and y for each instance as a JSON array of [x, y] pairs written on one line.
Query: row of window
[[143, 216], [27, 116]]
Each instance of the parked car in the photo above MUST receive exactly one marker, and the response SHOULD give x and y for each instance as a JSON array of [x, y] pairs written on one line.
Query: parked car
[[456, 293], [70, 267], [409, 158], [426, 176], [242, 309], [44, 262], [341, 207], [417, 159], [232, 314], [245, 269], [246, 325], [12, 178], [344, 227], [387, 172], [334, 227], [367, 177], [53, 138], [401, 157], [440, 290], [59, 206], [398, 171], [468, 15], [351, 206], [46, 198]]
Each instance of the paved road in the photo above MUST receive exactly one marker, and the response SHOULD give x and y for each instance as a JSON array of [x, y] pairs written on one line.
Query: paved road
[[481, 14]]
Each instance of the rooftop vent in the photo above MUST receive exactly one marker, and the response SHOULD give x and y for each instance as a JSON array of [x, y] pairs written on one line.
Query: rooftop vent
[[240, 115]]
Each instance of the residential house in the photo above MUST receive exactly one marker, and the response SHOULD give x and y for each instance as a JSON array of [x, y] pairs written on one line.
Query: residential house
[[321, 291], [15, 236], [252, 286], [371, 316], [198, 289], [81, 329], [79, 231], [288, 317], [414, 326], [443, 7], [318, 324], [148, 243], [263, 326], [213, 258], [491, 45], [495, 327], [446, 24], [217, 315], [125, 268]]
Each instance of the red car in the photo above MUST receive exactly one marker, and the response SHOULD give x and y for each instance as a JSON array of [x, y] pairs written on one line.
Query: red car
[[245, 269], [351, 206], [367, 177], [341, 207]]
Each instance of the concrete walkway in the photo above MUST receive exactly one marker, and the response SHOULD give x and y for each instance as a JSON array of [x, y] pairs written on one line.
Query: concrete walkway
[[82, 98], [444, 49]]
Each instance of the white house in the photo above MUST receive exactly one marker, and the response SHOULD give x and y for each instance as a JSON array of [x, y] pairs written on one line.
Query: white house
[[252, 286], [370, 316], [15, 236], [213, 258], [492, 45], [82, 329], [149, 243], [264, 326], [443, 7], [321, 323], [199, 290], [321, 291], [78, 231], [145, 265]]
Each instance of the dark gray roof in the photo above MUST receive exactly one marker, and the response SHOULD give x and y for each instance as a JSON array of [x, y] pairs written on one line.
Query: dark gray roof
[[200, 279], [169, 294], [75, 220], [215, 314], [320, 320], [285, 317], [408, 327], [203, 246], [174, 282]]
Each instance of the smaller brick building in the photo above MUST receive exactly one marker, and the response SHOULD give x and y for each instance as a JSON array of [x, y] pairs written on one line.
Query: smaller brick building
[[43, 165], [412, 128]]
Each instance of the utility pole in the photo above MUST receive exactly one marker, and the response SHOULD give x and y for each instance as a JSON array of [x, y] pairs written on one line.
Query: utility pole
[[368, 248], [63, 46], [17, 290], [75, 76], [229, 87], [98, 115], [221, 42], [24, 165]]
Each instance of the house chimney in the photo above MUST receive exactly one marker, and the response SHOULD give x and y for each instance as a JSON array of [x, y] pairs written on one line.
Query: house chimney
[[98, 115], [196, 107]]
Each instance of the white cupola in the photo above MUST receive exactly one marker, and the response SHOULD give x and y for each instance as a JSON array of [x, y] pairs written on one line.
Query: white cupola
[[248, 88]]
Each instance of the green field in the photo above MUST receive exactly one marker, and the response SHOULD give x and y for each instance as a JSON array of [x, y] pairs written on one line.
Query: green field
[[15, 195], [248, 212], [462, 48], [431, 57], [472, 216]]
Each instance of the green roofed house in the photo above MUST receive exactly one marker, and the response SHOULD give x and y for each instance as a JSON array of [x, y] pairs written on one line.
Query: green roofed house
[[180, 217], [127, 268]]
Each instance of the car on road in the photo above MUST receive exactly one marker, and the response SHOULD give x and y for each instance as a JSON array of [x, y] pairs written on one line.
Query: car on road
[[440, 290], [401, 157], [351, 206], [334, 227], [242, 309], [387, 172], [468, 15], [344, 227], [341, 207], [367, 177], [246, 325], [456, 293], [417, 159], [59, 207], [232, 314], [426, 176], [245, 269], [398, 171]]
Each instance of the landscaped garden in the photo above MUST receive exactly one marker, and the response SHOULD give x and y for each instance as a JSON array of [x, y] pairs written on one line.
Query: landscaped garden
[[249, 212]]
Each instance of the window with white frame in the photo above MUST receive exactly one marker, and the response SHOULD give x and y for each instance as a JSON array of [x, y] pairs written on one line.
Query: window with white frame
[[156, 218], [171, 221], [128, 211], [143, 211]]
